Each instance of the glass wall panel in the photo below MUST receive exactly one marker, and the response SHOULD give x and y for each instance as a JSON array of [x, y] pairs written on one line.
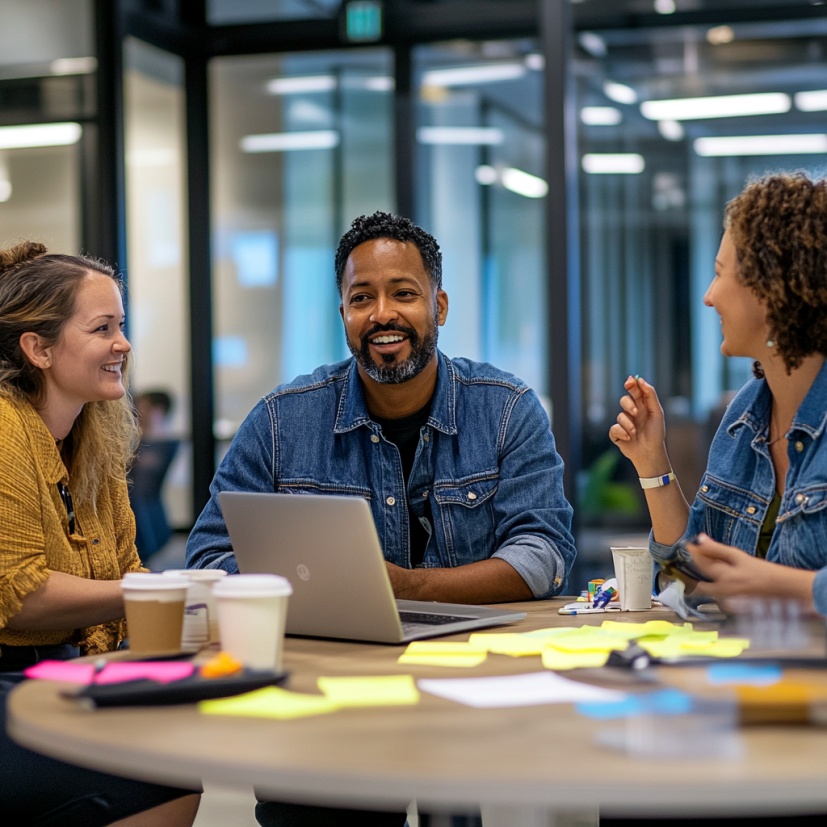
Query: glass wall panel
[[481, 193], [46, 93], [158, 306], [653, 187], [301, 145]]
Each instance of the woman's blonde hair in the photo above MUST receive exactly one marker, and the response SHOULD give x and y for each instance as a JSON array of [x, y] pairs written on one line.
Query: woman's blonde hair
[[38, 294]]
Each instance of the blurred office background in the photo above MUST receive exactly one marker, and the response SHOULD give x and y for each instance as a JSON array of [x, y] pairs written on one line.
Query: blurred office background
[[572, 157]]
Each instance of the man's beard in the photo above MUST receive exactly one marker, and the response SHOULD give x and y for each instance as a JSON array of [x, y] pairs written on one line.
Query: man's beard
[[393, 372]]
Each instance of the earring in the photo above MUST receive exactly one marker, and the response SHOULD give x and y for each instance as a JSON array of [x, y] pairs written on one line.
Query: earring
[[770, 343]]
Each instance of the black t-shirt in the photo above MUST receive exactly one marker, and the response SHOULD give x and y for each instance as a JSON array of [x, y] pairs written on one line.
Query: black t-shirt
[[404, 433]]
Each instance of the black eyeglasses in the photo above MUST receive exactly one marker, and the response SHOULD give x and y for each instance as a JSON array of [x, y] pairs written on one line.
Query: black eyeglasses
[[63, 490]]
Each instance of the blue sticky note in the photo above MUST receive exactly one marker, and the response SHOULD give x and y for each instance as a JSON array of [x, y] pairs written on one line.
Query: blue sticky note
[[757, 674], [662, 702]]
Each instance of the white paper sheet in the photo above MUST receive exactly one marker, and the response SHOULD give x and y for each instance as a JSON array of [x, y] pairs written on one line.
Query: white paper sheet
[[517, 690]]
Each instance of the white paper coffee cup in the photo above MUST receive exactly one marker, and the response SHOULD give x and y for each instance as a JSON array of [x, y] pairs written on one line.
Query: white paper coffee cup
[[200, 609], [634, 571], [252, 610], [154, 605]]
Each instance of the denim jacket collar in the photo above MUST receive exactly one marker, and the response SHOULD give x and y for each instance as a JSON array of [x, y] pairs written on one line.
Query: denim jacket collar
[[811, 416], [353, 410]]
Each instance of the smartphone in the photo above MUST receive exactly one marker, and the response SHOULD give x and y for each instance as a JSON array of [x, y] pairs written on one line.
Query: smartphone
[[685, 565]]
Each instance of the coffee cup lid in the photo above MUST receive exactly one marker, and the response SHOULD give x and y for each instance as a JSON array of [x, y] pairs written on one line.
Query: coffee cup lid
[[253, 585], [147, 580], [196, 574]]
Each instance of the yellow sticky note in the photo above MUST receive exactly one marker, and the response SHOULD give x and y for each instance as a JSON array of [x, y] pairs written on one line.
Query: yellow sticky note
[[651, 628], [383, 690], [508, 643], [442, 653], [558, 659], [269, 702], [678, 647], [588, 643]]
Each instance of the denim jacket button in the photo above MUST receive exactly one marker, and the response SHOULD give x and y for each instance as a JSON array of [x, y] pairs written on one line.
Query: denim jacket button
[[705, 488], [751, 509], [424, 495], [799, 446], [800, 498], [391, 500], [426, 438], [374, 438], [472, 495]]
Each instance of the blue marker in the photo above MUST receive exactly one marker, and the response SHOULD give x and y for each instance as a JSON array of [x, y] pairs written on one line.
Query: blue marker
[[604, 597]]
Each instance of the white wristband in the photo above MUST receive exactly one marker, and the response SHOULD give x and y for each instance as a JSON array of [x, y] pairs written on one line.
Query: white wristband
[[656, 482]]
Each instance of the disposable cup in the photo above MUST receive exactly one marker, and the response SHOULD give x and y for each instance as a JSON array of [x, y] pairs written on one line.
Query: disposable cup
[[154, 611], [634, 571], [252, 610], [200, 610]]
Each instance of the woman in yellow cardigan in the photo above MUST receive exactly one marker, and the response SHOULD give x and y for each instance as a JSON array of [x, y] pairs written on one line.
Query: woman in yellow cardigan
[[67, 434]]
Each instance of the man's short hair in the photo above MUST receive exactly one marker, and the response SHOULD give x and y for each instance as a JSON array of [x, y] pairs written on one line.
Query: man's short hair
[[387, 225]]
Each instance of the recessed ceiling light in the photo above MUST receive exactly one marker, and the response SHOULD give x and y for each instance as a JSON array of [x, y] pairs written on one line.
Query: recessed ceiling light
[[600, 115], [301, 84], [470, 75], [523, 183], [287, 141], [720, 35], [41, 134], [605, 163], [761, 145], [813, 101], [720, 106], [671, 130], [619, 92], [460, 135]]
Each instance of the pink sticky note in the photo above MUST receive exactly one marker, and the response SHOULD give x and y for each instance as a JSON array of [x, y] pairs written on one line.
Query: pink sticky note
[[61, 670], [162, 671], [113, 672]]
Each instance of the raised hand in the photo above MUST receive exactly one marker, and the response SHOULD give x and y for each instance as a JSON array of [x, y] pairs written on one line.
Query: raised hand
[[640, 431]]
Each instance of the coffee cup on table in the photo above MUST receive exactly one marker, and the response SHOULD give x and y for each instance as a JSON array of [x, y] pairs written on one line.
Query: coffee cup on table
[[154, 606], [634, 571], [252, 610], [200, 610]]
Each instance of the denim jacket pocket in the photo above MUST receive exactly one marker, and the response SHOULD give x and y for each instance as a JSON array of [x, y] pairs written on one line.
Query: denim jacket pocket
[[296, 486], [465, 515], [805, 501], [733, 514]]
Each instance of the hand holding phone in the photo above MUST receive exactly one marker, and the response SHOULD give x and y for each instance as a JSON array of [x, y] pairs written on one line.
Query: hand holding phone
[[684, 566]]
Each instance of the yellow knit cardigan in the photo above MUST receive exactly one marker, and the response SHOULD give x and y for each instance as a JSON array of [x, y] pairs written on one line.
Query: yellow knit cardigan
[[34, 530]]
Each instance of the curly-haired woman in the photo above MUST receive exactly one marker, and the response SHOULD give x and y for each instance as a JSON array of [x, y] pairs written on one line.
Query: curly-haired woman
[[764, 491]]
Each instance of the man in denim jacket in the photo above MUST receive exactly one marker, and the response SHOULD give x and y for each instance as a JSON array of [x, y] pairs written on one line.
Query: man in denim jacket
[[455, 457]]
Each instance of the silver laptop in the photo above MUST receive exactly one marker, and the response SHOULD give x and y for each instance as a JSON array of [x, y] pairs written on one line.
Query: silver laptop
[[328, 548]]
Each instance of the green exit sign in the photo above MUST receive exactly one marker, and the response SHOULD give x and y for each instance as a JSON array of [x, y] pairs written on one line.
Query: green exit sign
[[362, 21]]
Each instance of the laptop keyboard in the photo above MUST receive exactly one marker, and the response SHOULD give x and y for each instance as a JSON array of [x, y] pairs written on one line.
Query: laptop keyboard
[[428, 619]]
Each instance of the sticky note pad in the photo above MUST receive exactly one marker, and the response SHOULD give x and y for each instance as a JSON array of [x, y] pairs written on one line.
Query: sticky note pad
[[383, 690], [270, 702], [442, 653]]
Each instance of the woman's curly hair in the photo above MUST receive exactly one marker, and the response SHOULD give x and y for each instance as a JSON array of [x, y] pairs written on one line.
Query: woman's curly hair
[[778, 225], [38, 293]]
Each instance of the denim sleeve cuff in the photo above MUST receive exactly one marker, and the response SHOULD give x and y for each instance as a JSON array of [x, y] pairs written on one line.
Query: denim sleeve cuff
[[537, 562], [662, 552], [820, 592]]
